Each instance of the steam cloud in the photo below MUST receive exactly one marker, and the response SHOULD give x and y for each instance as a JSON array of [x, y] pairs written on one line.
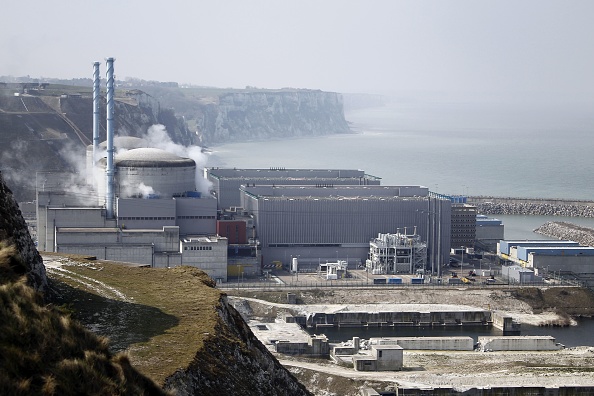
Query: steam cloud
[[157, 137]]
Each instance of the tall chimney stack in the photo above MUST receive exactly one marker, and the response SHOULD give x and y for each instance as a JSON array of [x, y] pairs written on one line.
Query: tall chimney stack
[[109, 172], [96, 97]]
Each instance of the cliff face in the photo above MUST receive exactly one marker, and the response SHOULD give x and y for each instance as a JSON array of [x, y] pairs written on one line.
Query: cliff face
[[13, 231], [46, 133], [245, 116], [234, 363]]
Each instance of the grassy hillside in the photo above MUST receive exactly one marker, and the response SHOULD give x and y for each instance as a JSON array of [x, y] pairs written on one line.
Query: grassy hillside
[[44, 352], [162, 311]]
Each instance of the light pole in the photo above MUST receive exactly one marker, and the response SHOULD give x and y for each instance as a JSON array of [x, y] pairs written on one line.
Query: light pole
[[462, 259]]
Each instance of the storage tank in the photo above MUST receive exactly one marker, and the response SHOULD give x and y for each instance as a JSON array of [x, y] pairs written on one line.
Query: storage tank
[[144, 172], [294, 265]]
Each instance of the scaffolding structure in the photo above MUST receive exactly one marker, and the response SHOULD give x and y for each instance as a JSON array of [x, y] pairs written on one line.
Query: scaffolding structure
[[396, 253]]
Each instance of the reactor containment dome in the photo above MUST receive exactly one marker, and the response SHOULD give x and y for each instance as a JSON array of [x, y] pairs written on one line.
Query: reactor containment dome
[[150, 171]]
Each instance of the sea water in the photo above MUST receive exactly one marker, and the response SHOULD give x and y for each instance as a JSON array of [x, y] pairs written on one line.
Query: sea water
[[470, 149]]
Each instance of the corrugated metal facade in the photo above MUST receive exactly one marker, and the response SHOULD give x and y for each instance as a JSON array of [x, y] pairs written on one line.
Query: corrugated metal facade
[[316, 225]]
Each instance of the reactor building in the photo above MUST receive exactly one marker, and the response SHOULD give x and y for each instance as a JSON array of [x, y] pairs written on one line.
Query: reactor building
[[140, 205]]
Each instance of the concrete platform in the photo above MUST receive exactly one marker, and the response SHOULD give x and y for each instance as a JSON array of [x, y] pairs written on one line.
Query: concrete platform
[[389, 315]]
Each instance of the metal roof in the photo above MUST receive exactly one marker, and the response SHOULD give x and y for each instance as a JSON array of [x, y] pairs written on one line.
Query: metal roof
[[150, 157]]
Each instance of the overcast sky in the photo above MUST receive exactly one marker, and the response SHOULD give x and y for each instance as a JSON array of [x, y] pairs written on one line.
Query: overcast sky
[[478, 48]]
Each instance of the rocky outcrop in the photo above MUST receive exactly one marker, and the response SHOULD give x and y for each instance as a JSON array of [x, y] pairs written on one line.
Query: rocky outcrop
[[234, 362], [14, 232], [567, 231], [242, 116]]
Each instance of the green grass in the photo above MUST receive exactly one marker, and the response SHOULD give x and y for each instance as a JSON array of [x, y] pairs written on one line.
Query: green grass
[[43, 351], [182, 293]]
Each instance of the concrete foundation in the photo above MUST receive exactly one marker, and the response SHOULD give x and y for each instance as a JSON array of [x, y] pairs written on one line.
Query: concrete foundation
[[381, 358], [397, 315], [427, 343], [505, 323], [316, 346], [519, 343]]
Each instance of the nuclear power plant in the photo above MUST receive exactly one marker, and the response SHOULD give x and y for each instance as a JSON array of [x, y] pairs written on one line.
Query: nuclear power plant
[[140, 204], [137, 204]]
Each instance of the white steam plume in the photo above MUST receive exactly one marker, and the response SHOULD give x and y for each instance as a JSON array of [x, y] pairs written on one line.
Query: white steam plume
[[157, 137], [78, 185]]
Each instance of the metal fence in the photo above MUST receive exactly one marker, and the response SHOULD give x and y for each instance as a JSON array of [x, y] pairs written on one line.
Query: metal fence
[[279, 286]]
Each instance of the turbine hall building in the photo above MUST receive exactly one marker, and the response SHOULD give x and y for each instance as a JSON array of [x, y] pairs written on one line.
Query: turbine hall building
[[226, 181], [323, 223]]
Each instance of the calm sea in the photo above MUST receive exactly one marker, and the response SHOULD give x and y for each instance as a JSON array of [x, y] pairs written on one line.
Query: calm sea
[[472, 149]]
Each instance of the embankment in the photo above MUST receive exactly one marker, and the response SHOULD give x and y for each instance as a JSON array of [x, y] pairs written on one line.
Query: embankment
[[532, 206], [567, 231]]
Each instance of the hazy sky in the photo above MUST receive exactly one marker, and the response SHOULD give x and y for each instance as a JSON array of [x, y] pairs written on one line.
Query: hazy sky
[[477, 48]]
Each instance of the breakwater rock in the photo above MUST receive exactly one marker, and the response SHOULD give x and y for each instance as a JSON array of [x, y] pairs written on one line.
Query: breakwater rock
[[537, 207], [567, 231]]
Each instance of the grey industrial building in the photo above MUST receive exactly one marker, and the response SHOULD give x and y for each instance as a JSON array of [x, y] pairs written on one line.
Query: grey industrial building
[[548, 256], [226, 181], [326, 223], [463, 225], [489, 231]]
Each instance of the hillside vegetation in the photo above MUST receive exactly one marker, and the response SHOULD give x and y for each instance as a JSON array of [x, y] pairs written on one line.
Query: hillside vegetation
[[43, 351]]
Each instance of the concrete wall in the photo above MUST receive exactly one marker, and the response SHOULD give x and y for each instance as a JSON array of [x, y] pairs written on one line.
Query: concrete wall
[[130, 253], [517, 274], [196, 216], [505, 323], [167, 260], [164, 240], [315, 346], [575, 264], [48, 218], [356, 319], [291, 348], [87, 236], [138, 213], [383, 358], [165, 181], [389, 357], [364, 363], [519, 343], [208, 254], [428, 343]]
